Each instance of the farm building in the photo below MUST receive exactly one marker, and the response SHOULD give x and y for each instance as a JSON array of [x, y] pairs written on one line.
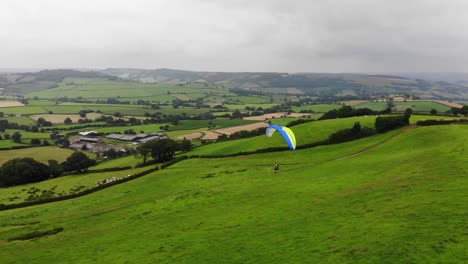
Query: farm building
[[88, 139], [136, 138], [144, 140], [88, 133]]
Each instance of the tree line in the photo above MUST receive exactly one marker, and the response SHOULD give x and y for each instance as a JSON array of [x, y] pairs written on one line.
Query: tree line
[[28, 170]]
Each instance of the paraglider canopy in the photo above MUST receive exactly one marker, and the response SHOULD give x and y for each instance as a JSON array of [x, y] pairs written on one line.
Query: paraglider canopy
[[287, 134]]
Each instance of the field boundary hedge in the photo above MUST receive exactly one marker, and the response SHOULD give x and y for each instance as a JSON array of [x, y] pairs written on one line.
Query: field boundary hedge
[[76, 195], [433, 122]]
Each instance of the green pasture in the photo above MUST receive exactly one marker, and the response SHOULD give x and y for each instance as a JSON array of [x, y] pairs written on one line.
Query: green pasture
[[65, 109], [376, 106], [23, 110], [22, 120], [421, 107], [118, 162], [8, 143], [402, 201], [177, 133], [218, 122], [124, 91], [40, 102], [61, 186], [416, 118], [251, 99], [29, 135], [42, 154], [319, 108], [120, 129], [305, 134], [243, 106]]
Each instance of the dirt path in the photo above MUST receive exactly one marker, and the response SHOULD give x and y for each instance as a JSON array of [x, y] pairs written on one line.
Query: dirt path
[[403, 131]]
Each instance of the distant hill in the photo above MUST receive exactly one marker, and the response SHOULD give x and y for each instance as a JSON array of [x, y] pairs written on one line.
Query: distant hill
[[20, 83], [326, 86], [313, 84]]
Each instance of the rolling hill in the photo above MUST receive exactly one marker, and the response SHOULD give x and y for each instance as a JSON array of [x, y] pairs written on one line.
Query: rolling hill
[[382, 199], [323, 85]]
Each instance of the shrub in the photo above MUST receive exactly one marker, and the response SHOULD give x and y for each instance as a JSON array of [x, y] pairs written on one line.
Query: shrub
[[386, 123]]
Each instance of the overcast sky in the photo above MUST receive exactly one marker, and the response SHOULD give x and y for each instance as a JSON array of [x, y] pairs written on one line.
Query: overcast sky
[[230, 35]]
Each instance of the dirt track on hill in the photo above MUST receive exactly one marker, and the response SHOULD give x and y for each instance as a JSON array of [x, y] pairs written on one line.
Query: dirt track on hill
[[403, 131]]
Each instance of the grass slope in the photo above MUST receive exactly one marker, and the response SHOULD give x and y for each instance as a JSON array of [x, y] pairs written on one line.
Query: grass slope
[[305, 133], [403, 201], [41, 154]]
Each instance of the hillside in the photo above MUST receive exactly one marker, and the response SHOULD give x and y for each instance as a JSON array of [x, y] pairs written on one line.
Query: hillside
[[400, 201], [323, 85], [15, 84]]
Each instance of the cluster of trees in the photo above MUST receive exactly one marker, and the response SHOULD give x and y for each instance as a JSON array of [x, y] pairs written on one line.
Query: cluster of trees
[[386, 123], [27, 170], [353, 133], [348, 111], [460, 111], [162, 150], [4, 124], [243, 134]]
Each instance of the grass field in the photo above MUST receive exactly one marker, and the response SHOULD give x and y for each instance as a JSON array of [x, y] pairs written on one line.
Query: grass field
[[25, 135], [23, 110], [6, 144], [23, 120], [119, 162], [421, 107], [319, 108], [401, 201], [305, 133], [41, 154], [61, 186], [125, 91]]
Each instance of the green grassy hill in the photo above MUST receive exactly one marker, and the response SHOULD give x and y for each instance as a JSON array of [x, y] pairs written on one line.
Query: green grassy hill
[[399, 200]]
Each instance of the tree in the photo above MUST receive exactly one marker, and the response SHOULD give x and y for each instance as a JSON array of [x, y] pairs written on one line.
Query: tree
[[54, 168], [236, 114], [356, 128], [78, 162], [67, 121], [6, 136], [35, 141], [433, 111], [21, 171], [185, 145], [409, 111], [163, 149], [16, 137], [144, 151], [118, 114], [45, 142], [82, 113]]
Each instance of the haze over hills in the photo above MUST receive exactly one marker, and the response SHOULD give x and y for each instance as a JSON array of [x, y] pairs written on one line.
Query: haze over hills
[[326, 86]]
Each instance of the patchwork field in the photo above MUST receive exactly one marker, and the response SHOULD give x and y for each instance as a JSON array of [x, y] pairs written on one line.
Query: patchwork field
[[10, 104]]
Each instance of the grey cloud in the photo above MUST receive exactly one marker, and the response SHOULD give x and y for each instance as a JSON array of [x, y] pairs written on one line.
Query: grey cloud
[[262, 35]]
